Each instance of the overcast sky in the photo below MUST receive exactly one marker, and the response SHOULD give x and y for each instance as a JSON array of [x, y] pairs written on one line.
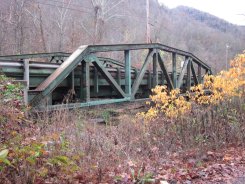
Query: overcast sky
[[229, 10]]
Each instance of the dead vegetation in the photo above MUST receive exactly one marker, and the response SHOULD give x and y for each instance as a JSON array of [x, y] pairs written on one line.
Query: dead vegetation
[[107, 144]]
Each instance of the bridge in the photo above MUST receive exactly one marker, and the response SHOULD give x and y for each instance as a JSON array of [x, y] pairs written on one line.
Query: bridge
[[102, 74]]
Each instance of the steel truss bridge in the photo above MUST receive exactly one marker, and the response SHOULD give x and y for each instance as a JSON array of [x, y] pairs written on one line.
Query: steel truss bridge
[[94, 80]]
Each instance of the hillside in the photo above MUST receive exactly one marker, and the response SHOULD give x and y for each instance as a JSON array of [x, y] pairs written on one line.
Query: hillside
[[210, 20], [46, 26]]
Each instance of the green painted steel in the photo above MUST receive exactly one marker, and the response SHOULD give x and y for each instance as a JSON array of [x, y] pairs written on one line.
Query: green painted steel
[[127, 73], [141, 73], [36, 55], [155, 71], [96, 81], [87, 82], [119, 77], [165, 72], [188, 83], [59, 75], [199, 74], [108, 76], [174, 72], [195, 79], [182, 73], [89, 76], [108, 48], [80, 105], [149, 80]]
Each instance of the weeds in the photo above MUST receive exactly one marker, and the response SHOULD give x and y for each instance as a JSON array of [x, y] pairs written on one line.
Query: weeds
[[63, 147]]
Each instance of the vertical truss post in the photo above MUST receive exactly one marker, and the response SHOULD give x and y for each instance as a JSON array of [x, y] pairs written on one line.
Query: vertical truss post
[[27, 79], [155, 71], [141, 73], [119, 76], [127, 73], [73, 81], [195, 79], [81, 95], [199, 74], [207, 72], [162, 78], [165, 72], [135, 73], [100, 67], [182, 73], [85, 82], [188, 80], [149, 80], [96, 81], [174, 73]]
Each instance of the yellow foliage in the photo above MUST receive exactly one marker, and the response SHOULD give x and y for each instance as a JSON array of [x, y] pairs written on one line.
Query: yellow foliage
[[171, 104], [223, 86]]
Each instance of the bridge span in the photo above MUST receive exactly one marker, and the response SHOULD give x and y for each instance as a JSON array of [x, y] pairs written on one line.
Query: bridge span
[[102, 74]]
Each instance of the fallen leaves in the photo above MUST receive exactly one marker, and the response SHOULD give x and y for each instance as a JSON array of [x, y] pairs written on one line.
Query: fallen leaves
[[223, 165]]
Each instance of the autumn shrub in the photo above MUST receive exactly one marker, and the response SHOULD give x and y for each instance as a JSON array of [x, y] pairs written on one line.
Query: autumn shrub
[[206, 120], [26, 154], [11, 107]]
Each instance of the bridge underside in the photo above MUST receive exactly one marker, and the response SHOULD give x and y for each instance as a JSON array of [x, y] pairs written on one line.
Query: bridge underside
[[90, 76]]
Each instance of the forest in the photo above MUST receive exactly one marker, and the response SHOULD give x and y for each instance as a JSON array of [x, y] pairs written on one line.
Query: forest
[[37, 26], [169, 138]]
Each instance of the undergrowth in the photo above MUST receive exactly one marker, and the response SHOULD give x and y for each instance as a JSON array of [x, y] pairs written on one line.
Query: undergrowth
[[63, 147]]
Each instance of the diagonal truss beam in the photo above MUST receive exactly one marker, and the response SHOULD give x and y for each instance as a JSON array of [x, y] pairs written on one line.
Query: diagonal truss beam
[[165, 72], [182, 73], [142, 73], [188, 79], [46, 87], [194, 74], [100, 67], [199, 73]]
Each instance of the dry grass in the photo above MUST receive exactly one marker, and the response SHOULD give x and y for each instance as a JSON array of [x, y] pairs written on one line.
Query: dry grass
[[103, 152], [123, 149]]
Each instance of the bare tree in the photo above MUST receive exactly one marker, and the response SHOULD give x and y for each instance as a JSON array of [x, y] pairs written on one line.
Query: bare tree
[[3, 31], [104, 11], [17, 20], [61, 21]]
